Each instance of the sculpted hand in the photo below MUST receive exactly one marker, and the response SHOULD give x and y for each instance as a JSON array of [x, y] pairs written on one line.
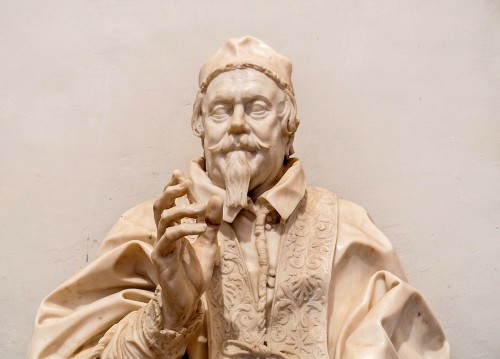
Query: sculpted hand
[[184, 270]]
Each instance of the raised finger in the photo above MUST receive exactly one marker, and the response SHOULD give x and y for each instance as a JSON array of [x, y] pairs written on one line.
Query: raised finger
[[181, 177], [169, 216], [177, 177], [167, 199], [172, 234]]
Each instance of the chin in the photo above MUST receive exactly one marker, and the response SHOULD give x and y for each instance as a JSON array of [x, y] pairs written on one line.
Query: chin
[[260, 174]]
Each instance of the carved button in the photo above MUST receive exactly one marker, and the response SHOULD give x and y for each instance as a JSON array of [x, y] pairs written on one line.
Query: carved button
[[272, 217], [271, 282]]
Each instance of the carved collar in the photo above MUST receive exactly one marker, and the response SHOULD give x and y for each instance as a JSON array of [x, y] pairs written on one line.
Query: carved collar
[[284, 196]]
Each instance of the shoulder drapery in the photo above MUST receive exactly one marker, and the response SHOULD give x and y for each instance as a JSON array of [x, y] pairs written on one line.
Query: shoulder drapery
[[374, 312], [72, 319]]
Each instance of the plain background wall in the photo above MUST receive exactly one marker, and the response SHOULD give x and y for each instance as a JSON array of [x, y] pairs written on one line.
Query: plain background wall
[[400, 110]]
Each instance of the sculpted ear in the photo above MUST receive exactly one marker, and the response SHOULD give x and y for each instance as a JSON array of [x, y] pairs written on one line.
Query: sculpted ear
[[290, 122], [196, 119]]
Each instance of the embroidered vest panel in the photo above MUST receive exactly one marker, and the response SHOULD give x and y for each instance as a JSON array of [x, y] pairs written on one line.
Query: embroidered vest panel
[[296, 326]]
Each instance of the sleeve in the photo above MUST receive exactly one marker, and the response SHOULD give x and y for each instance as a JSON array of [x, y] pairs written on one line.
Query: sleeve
[[110, 309], [373, 311], [141, 335]]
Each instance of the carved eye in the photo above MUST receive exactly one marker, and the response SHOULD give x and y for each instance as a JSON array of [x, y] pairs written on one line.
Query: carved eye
[[220, 112], [257, 109]]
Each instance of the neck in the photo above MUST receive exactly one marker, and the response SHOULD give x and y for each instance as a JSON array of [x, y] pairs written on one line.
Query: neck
[[269, 183]]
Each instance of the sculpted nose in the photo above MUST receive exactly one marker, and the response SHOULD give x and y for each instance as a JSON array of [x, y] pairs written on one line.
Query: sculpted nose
[[238, 123]]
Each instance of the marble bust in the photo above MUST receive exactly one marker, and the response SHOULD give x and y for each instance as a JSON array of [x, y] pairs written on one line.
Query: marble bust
[[239, 258]]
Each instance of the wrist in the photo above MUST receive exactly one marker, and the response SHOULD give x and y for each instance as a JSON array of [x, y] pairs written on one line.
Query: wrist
[[168, 339], [171, 321]]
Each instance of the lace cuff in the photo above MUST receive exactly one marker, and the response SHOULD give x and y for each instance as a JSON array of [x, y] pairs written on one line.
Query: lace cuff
[[167, 343]]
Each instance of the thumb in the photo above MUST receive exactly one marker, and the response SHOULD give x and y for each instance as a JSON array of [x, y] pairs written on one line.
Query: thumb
[[206, 244], [213, 219], [213, 214]]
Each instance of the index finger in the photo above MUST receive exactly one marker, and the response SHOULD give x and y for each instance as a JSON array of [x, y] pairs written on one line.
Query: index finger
[[175, 188], [177, 177]]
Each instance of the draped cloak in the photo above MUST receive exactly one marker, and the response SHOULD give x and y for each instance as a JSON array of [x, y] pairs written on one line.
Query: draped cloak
[[340, 290]]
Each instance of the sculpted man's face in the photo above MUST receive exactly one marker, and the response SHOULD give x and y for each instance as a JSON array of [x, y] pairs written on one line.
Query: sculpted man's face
[[243, 139]]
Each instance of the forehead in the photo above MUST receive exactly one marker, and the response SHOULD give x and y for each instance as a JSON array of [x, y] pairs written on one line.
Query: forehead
[[240, 84]]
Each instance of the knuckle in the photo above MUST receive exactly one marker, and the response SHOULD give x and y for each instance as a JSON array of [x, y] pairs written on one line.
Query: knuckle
[[176, 173], [171, 234], [166, 235], [164, 216], [155, 256]]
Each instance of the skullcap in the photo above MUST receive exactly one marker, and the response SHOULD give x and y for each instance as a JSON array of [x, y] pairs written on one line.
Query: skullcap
[[247, 52]]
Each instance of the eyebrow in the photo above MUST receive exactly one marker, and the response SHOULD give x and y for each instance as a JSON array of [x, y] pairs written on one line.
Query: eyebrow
[[221, 95], [226, 98]]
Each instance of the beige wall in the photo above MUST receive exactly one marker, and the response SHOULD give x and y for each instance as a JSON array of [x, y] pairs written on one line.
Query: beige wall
[[400, 109]]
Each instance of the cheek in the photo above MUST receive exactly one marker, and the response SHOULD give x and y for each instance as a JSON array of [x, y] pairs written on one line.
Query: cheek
[[214, 132], [269, 130]]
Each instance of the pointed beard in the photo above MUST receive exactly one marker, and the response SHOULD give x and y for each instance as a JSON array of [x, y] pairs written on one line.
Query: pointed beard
[[237, 179]]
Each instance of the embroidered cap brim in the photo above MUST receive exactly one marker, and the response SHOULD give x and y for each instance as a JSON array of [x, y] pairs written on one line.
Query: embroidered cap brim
[[247, 52]]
